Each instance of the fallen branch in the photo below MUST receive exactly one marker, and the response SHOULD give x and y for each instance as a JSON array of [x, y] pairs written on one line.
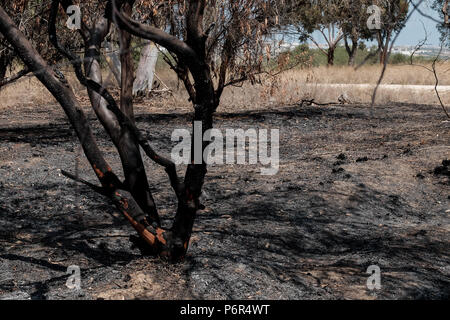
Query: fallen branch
[[310, 102]]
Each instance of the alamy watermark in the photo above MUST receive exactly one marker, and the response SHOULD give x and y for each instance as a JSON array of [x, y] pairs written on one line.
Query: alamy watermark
[[374, 281], [374, 21], [74, 19], [74, 280], [229, 147]]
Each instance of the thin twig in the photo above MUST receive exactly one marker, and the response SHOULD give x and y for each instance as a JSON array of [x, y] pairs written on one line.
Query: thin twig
[[437, 81]]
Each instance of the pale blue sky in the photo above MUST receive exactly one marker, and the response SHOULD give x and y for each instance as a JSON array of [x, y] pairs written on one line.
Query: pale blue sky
[[413, 32]]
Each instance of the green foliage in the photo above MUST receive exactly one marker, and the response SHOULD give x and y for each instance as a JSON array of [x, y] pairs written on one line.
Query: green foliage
[[318, 58], [398, 58]]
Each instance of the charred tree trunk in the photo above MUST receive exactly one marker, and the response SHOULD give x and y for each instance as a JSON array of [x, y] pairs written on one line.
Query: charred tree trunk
[[93, 71], [127, 70], [205, 104], [135, 175], [58, 86], [191, 55], [133, 166]]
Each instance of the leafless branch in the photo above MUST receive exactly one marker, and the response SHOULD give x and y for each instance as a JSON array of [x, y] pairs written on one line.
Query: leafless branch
[[437, 81]]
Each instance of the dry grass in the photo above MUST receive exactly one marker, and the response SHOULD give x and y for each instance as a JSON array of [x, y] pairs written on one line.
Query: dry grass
[[295, 85], [288, 88], [395, 74], [28, 91]]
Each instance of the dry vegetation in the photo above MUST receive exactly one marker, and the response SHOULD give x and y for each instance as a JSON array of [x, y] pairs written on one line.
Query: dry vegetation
[[289, 88]]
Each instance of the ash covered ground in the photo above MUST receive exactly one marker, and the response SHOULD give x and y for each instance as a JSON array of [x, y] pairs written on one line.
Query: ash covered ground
[[354, 189]]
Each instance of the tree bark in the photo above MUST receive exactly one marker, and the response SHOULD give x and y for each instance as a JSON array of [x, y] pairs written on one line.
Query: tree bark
[[14, 77], [127, 67], [191, 54], [146, 67], [134, 170], [132, 164], [146, 70], [205, 105], [384, 55], [330, 55]]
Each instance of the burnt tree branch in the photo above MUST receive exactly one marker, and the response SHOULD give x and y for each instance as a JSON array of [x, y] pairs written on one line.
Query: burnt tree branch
[[61, 90]]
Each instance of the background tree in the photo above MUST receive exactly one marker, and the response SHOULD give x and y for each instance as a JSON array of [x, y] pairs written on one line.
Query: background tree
[[145, 72], [353, 16], [307, 17], [393, 16]]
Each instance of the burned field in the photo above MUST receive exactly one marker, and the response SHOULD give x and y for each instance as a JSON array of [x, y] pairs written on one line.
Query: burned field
[[355, 188]]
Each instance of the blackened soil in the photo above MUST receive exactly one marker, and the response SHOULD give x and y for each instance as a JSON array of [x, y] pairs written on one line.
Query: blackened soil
[[353, 190]]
